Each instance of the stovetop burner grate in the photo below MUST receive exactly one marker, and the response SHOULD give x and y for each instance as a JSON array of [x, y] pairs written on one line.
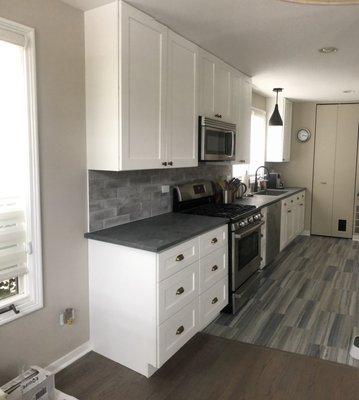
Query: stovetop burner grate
[[231, 211]]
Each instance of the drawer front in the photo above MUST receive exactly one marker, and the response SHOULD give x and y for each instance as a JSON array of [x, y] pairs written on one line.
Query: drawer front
[[176, 331], [177, 291], [213, 268], [175, 259], [212, 302], [213, 240]]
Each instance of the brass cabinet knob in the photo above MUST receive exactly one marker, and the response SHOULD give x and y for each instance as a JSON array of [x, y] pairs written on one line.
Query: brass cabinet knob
[[214, 268], [180, 330], [180, 290], [215, 300], [180, 257], [214, 240]]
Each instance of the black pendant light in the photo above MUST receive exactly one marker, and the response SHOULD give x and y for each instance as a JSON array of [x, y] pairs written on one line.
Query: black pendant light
[[276, 119]]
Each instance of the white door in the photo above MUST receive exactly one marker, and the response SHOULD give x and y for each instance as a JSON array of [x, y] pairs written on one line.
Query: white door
[[182, 98], [345, 170], [222, 92], [207, 76], [324, 167], [143, 52], [243, 147]]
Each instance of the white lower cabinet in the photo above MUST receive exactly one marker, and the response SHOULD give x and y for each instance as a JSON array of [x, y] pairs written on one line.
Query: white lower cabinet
[[176, 331], [212, 301], [292, 218], [145, 306]]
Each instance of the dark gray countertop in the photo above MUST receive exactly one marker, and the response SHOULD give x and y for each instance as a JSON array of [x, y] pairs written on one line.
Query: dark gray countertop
[[261, 201], [158, 233]]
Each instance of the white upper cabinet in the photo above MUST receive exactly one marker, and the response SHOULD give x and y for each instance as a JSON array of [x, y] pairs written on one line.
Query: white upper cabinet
[[141, 92], [243, 147], [146, 87], [182, 100], [279, 137], [215, 88]]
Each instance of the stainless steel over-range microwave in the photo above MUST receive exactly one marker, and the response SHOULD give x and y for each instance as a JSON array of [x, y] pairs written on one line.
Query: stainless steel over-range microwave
[[217, 140]]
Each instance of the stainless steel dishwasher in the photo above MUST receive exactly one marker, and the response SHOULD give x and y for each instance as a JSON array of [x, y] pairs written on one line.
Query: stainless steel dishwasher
[[273, 222]]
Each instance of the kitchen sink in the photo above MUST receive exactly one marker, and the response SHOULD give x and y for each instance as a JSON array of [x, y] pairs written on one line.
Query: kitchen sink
[[271, 192]]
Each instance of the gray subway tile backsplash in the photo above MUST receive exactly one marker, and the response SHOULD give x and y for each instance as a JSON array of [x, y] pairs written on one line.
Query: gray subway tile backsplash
[[116, 198]]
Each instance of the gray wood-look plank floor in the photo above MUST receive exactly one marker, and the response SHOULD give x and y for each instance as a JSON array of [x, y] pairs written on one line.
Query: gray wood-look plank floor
[[306, 301], [214, 368]]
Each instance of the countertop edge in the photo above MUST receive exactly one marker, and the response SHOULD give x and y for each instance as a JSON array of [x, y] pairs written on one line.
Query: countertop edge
[[97, 237]]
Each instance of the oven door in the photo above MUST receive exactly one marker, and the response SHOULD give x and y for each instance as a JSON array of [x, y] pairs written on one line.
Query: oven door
[[246, 254], [217, 144]]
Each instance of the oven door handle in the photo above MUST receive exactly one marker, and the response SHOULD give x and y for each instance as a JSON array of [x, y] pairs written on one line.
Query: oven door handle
[[254, 228]]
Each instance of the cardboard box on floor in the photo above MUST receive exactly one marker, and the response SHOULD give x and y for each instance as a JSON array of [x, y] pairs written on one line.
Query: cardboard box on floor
[[34, 384]]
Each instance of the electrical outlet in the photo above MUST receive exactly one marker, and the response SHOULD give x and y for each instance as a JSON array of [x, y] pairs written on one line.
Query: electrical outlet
[[165, 189], [67, 317]]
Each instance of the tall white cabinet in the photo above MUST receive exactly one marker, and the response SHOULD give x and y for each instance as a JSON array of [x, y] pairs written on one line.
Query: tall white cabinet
[[335, 163], [137, 74]]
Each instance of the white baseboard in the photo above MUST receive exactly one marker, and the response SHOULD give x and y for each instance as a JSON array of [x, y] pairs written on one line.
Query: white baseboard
[[69, 358], [305, 233]]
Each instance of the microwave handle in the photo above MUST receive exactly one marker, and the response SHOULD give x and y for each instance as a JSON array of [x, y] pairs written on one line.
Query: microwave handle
[[234, 143]]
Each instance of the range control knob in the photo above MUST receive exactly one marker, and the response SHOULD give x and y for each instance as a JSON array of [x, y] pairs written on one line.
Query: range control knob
[[250, 220], [257, 217], [242, 224]]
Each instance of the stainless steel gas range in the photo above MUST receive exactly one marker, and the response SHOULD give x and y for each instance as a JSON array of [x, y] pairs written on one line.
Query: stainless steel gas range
[[244, 227]]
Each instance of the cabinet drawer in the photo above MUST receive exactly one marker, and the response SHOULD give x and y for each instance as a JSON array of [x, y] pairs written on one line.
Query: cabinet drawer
[[176, 331], [212, 302], [212, 240], [177, 291], [177, 258], [213, 268]]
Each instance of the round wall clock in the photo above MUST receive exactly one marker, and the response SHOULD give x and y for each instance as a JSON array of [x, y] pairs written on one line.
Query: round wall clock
[[303, 135]]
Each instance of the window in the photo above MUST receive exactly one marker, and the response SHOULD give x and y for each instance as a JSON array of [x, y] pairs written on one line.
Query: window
[[257, 144], [20, 236]]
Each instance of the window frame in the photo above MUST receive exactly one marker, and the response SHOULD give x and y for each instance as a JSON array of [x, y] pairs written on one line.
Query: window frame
[[262, 113], [33, 299]]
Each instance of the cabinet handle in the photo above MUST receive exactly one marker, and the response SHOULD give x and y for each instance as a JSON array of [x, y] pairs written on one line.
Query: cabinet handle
[[291, 201], [215, 300], [214, 268], [180, 330], [180, 291], [180, 257], [244, 161], [164, 163], [301, 204], [323, 183], [289, 211], [214, 240], [170, 163], [218, 115]]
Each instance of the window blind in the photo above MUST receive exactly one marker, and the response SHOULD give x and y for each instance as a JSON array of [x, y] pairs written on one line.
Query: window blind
[[12, 37], [13, 255]]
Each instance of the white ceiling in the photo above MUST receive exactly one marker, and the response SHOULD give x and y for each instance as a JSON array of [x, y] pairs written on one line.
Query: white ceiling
[[273, 41]]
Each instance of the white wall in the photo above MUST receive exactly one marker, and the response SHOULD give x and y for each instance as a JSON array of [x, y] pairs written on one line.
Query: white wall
[[38, 338]]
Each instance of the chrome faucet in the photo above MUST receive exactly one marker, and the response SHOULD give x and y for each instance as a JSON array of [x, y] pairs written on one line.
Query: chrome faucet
[[256, 176]]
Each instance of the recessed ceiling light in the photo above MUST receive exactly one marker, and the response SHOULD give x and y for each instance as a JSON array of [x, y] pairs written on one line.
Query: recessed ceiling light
[[328, 50], [348, 91], [325, 2]]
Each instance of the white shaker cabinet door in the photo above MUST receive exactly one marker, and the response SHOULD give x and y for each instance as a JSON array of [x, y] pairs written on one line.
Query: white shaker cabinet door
[[182, 99], [143, 52], [222, 92], [243, 138]]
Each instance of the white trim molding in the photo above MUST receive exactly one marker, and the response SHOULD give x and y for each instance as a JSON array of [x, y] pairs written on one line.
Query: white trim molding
[[33, 298], [305, 233], [69, 358]]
